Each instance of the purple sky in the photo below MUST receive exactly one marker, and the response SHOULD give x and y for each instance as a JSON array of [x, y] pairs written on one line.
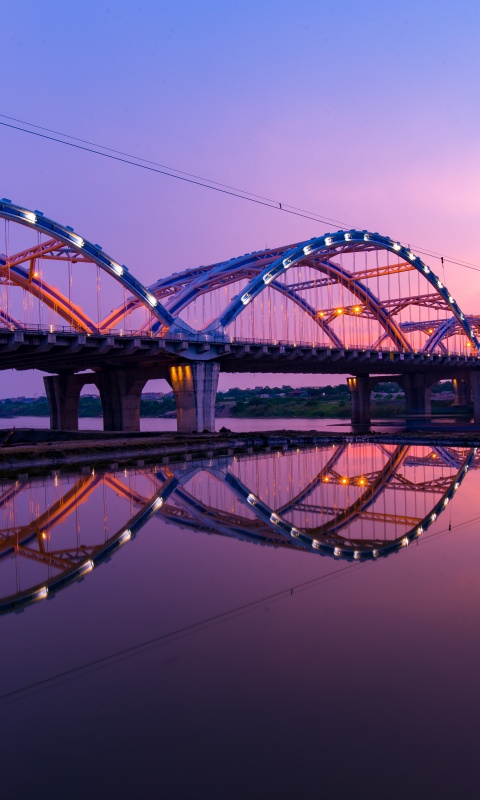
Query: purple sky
[[366, 113]]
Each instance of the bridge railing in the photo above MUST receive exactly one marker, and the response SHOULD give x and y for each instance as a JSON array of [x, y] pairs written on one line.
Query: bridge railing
[[219, 338]]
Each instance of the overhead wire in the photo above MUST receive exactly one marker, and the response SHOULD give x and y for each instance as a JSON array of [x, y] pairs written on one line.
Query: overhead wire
[[207, 183]]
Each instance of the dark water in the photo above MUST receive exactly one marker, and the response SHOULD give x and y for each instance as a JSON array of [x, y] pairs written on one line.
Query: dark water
[[219, 651]]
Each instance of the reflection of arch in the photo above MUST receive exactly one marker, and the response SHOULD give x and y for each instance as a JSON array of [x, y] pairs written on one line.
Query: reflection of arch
[[62, 237], [269, 525]]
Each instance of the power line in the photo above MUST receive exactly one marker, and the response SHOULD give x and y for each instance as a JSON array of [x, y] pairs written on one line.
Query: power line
[[153, 166], [178, 633]]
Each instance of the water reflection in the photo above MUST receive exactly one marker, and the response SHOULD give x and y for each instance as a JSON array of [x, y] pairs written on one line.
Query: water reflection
[[349, 502]]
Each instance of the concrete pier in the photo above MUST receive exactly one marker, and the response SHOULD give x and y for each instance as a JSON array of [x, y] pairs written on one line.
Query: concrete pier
[[195, 389]]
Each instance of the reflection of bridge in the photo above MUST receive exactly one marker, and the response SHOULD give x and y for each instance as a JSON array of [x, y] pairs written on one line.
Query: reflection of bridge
[[349, 302], [357, 503]]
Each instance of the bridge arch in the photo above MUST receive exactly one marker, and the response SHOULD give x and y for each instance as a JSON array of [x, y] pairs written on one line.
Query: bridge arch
[[60, 235]]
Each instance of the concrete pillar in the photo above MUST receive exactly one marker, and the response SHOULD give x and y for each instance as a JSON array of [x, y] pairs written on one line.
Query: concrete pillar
[[121, 394], [63, 395], [359, 388], [462, 392], [475, 384], [195, 388], [418, 398]]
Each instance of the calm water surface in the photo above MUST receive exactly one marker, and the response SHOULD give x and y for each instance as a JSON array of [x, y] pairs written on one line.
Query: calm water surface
[[291, 625]]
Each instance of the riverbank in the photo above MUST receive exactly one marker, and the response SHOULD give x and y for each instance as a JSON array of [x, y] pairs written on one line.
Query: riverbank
[[39, 451]]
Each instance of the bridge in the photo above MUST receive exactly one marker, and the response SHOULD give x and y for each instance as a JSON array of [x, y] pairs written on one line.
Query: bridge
[[349, 302], [357, 503]]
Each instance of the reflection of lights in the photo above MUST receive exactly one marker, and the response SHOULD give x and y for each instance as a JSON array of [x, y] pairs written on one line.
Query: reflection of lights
[[126, 535], [316, 544], [40, 594], [375, 553], [87, 567], [405, 541], [433, 517], [356, 554], [252, 500], [337, 552], [446, 501]]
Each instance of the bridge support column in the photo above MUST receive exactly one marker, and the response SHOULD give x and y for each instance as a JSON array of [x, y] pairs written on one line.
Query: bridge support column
[[418, 398], [121, 395], [475, 384], [462, 392], [63, 395], [195, 388], [359, 388]]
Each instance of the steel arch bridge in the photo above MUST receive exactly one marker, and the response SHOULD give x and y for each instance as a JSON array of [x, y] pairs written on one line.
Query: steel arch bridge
[[357, 503], [345, 289]]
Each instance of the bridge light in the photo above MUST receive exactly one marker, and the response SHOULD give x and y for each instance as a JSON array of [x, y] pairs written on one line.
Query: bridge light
[[116, 268], [337, 552], [411, 255], [328, 240], [426, 269], [268, 278], [126, 535], [286, 262], [439, 284], [375, 553], [326, 479], [30, 217], [430, 330], [366, 237], [157, 504], [456, 487], [348, 236], [76, 239], [246, 298], [469, 344], [339, 311], [321, 313], [446, 501], [252, 500], [307, 249], [356, 554], [295, 532], [397, 246], [405, 541], [275, 518], [433, 517], [357, 309], [40, 594], [362, 482], [419, 531], [316, 544], [344, 481], [151, 299], [450, 299]]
